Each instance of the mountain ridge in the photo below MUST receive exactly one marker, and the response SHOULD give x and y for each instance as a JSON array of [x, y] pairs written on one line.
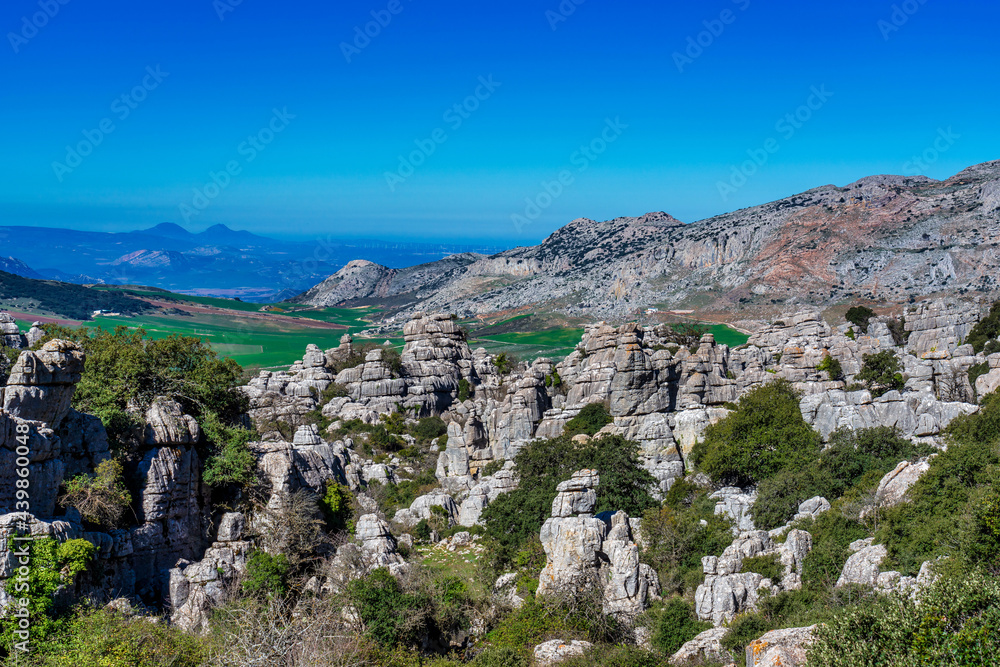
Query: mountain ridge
[[882, 237]]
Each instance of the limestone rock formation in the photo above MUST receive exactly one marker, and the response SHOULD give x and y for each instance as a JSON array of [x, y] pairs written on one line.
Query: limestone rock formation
[[780, 648], [556, 650], [597, 552], [41, 383], [705, 647]]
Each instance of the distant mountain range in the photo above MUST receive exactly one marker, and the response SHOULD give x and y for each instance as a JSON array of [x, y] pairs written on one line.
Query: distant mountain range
[[218, 261], [882, 238]]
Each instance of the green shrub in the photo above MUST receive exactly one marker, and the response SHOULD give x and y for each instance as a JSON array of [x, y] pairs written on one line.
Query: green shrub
[[881, 373], [859, 316], [603, 655], [231, 461], [675, 540], [266, 575], [51, 565], [500, 656], [832, 366], [591, 419], [492, 468], [955, 622], [391, 617], [464, 390], [393, 360], [107, 639], [429, 428], [674, 625], [850, 333], [336, 506], [763, 435], [851, 458], [505, 363], [986, 330], [768, 567], [832, 532], [102, 497]]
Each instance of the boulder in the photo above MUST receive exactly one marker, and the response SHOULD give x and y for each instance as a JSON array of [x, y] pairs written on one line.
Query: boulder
[[555, 651], [780, 648]]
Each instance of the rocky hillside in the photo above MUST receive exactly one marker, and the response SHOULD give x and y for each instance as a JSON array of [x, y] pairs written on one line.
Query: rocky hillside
[[886, 238], [637, 503]]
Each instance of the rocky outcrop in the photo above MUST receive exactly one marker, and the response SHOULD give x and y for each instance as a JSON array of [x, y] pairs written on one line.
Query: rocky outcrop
[[378, 546], [287, 396], [557, 650], [940, 325], [196, 587], [893, 486], [706, 647], [10, 334], [915, 414], [583, 551], [735, 504], [863, 566], [41, 384], [780, 648], [727, 591]]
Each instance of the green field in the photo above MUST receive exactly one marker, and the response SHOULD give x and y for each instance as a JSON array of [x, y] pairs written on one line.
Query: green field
[[250, 342], [728, 336], [554, 343]]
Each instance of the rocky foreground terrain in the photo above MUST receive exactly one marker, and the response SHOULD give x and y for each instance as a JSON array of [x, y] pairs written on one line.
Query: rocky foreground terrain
[[887, 238], [182, 550]]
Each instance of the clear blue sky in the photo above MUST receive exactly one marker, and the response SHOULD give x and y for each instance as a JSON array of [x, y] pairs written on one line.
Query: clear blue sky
[[325, 172]]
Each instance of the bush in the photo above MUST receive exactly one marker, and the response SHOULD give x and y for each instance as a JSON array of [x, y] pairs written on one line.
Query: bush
[[763, 435], [939, 519], [955, 622], [105, 638], [51, 565], [492, 468], [832, 532], [674, 625], [832, 366], [986, 329], [603, 655], [429, 428], [881, 373], [591, 419], [393, 360], [231, 461], [266, 575], [859, 316], [390, 616], [768, 567], [505, 363], [516, 517], [852, 459], [675, 539], [496, 656], [464, 390], [336, 506], [101, 497]]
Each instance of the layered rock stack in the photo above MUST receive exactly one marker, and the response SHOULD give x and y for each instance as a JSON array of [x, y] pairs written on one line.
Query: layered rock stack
[[584, 551]]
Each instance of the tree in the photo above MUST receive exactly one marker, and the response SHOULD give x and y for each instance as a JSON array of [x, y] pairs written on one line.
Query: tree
[[763, 435], [591, 419], [860, 316], [881, 373]]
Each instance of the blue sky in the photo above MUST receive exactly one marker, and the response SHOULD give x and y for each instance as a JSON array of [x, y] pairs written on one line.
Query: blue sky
[[634, 106]]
